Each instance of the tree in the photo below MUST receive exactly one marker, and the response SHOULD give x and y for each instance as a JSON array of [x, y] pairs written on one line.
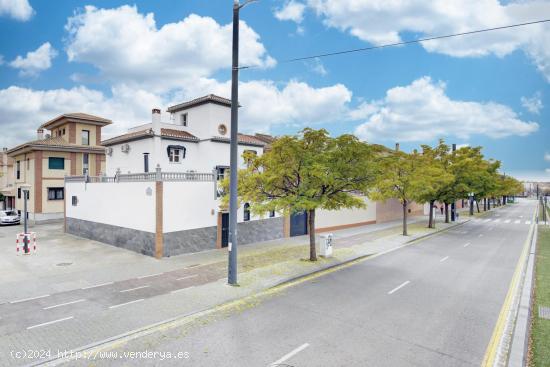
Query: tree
[[307, 172], [437, 168], [405, 177]]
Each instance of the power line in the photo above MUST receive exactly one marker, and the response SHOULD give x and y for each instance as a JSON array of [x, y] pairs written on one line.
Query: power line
[[362, 49]]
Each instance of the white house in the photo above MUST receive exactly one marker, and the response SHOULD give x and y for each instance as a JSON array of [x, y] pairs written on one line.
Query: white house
[[160, 196], [196, 139]]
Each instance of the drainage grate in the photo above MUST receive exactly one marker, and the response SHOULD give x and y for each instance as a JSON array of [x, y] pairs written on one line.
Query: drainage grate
[[64, 264], [544, 312]]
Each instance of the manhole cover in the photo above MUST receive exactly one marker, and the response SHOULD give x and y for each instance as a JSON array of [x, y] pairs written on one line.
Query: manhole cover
[[64, 264], [544, 312]]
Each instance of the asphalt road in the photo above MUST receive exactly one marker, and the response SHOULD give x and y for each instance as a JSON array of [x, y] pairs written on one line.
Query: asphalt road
[[434, 303]]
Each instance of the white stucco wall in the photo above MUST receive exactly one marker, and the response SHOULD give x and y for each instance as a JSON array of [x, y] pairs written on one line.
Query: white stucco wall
[[119, 204], [331, 218]]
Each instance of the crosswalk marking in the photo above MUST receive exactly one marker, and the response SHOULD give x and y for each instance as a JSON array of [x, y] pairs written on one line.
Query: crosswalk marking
[[497, 220], [507, 221], [517, 221]]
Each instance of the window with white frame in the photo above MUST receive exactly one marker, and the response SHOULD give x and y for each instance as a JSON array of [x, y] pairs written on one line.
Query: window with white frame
[[85, 163], [174, 155], [183, 119]]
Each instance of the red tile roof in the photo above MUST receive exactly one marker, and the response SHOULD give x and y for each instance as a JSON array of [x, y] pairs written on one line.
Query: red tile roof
[[211, 98]]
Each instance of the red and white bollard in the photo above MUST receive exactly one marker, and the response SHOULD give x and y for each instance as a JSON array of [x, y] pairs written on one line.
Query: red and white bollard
[[20, 239]]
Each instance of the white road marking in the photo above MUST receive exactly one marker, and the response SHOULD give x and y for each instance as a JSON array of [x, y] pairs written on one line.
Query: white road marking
[[480, 235], [134, 289], [149, 276], [29, 299], [517, 221], [507, 221], [65, 304], [188, 277], [527, 222], [182, 289], [467, 244], [127, 303], [444, 259], [399, 287], [487, 220], [497, 220], [49, 322], [290, 355], [98, 285]]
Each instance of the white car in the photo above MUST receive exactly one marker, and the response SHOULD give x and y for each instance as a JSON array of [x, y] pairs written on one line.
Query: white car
[[9, 217]]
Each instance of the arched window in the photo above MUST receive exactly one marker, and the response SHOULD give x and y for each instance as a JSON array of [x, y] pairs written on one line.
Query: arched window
[[246, 212]]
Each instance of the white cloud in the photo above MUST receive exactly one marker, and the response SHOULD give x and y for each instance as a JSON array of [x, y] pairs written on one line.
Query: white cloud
[[35, 61], [368, 21], [16, 9], [164, 58], [533, 104], [422, 111], [547, 157], [291, 10], [265, 105]]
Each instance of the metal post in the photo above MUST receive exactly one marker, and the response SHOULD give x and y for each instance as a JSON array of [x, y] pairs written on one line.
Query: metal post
[[25, 225], [232, 246]]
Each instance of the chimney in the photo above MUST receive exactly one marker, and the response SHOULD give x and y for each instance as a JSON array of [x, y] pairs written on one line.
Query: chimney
[[454, 147], [397, 147], [4, 149], [40, 134], [156, 120]]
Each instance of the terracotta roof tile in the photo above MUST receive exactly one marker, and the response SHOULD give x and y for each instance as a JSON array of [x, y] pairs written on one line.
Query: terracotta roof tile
[[76, 115], [53, 142], [172, 133]]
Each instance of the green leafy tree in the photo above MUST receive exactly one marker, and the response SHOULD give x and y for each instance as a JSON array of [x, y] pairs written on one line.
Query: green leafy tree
[[405, 177], [307, 172], [437, 168]]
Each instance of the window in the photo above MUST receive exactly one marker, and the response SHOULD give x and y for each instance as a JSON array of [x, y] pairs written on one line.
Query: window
[[183, 119], [55, 193], [222, 172], [74, 200], [246, 212], [271, 213], [85, 137], [28, 164], [56, 163], [85, 159], [174, 155], [18, 171], [63, 131], [19, 193]]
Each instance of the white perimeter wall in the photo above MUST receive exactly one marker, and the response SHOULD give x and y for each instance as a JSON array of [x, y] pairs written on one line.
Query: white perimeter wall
[[189, 205], [331, 218], [120, 204]]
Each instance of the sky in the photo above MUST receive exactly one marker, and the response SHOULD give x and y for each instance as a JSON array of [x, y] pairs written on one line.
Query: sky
[[119, 59]]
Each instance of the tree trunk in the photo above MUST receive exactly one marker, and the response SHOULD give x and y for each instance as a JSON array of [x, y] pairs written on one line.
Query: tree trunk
[[471, 206], [311, 229], [405, 218], [431, 223], [477, 205], [446, 212], [484, 204], [489, 204], [504, 200]]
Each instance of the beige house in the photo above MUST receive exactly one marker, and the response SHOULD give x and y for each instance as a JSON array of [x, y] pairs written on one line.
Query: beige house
[[7, 181], [70, 147]]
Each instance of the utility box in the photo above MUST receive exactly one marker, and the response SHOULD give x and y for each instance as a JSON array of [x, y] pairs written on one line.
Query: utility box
[[326, 245]]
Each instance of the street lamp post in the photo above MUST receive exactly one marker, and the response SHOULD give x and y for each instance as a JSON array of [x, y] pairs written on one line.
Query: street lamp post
[[234, 163], [25, 190]]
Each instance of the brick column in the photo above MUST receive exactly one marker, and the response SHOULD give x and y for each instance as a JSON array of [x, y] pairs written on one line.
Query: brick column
[[38, 181], [159, 234]]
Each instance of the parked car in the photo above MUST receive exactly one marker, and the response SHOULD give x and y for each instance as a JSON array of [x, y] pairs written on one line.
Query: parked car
[[9, 217]]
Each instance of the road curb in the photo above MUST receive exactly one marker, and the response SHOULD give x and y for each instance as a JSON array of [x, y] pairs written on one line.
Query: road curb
[[437, 232], [499, 348]]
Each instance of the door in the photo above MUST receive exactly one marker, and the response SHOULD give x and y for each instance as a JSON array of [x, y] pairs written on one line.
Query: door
[[225, 229], [298, 224]]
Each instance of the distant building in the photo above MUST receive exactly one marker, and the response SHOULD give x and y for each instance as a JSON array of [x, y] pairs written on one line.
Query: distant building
[[7, 181], [68, 145]]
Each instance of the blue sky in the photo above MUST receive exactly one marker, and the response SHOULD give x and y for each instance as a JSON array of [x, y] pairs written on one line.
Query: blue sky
[[118, 60]]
